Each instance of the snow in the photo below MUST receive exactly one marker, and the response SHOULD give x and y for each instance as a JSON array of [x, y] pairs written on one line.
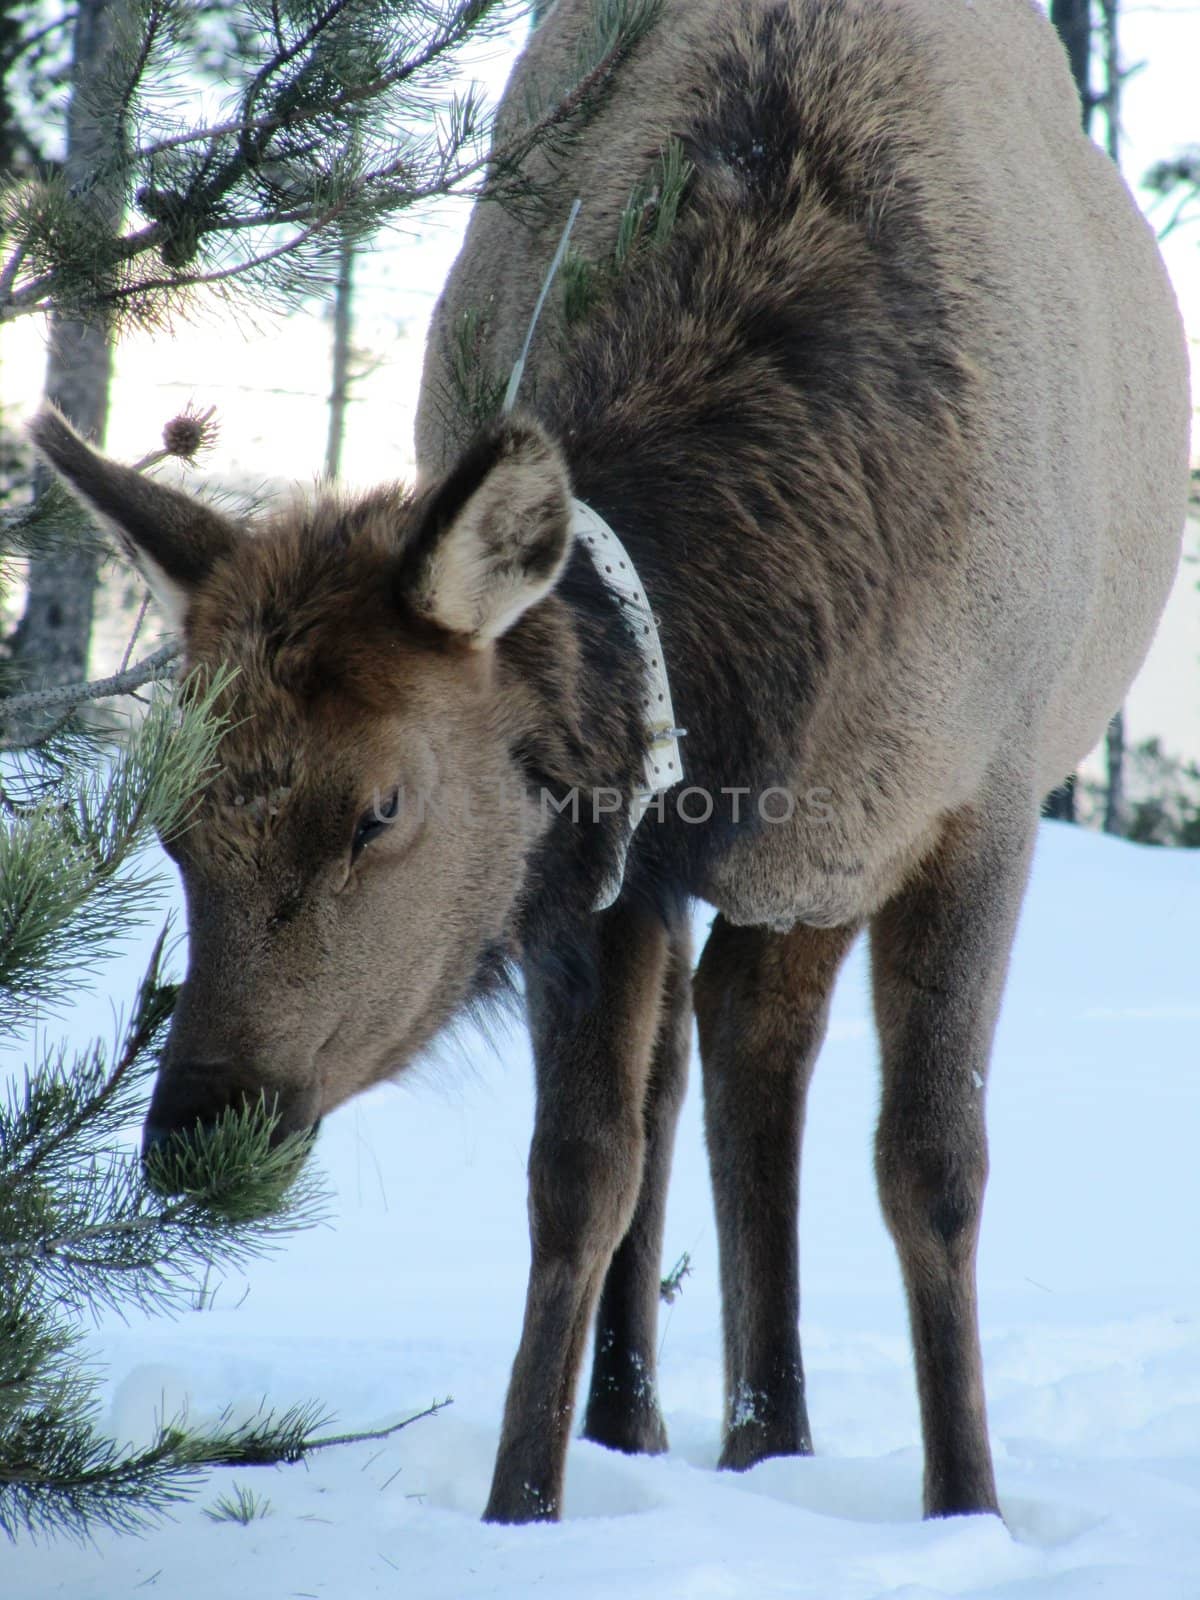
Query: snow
[[1090, 1310]]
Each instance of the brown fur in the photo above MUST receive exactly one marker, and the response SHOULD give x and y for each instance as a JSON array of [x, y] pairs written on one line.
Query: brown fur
[[894, 428]]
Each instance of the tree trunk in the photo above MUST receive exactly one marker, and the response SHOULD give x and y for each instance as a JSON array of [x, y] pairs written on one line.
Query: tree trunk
[[11, 31], [1073, 20], [1111, 99], [339, 390], [51, 642], [1114, 799]]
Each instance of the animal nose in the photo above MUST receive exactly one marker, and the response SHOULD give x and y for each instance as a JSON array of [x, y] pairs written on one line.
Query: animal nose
[[180, 1111], [154, 1135]]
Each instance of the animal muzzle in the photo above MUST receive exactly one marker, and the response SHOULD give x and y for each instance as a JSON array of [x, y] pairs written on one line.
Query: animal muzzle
[[190, 1101]]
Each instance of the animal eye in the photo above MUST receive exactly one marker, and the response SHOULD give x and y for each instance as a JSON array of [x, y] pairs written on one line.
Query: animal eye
[[372, 823]]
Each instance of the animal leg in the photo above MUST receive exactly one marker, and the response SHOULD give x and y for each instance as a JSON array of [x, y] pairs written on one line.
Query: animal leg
[[939, 954], [585, 1172], [762, 1001], [622, 1408]]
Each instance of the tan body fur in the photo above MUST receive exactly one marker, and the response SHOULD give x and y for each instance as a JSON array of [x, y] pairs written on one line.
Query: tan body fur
[[1066, 329]]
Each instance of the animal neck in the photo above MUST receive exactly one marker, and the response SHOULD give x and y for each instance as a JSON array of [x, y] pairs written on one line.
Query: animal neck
[[575, 663]]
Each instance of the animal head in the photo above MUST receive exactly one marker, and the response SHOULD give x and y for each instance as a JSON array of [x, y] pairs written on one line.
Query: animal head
[[355, 862]]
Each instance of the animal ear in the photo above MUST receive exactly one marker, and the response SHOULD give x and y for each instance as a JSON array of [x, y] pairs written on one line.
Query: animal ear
[[171, 537], [493, 536]]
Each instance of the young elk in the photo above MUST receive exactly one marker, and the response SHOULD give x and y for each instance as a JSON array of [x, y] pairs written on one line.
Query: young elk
[[892, 428]]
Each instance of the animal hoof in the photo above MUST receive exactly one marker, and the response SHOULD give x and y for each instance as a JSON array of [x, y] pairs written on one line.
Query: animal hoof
[[521, 1504], [749, 1443], [640, 1432]]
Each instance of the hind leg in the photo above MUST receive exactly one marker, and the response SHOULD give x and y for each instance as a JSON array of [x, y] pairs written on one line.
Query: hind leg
[[939, 954], [762, 1002], [622, 1408]]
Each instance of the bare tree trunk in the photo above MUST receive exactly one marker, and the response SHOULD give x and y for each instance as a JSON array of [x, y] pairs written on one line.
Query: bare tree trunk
[[339, 392], [11, 32], [1073, 19], [51, 642], [1114, 798], [1111, 99]]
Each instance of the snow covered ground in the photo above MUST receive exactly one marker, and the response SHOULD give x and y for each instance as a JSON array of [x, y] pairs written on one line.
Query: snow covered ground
[[1090, 1305]]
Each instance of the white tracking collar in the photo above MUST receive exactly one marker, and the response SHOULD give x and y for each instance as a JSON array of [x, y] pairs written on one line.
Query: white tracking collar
[[664, 763]]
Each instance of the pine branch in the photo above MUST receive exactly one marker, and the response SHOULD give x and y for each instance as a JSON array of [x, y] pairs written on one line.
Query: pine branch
[[270, 1441], [69, 696], [152, 1010], [671, 1286], [645, 224], [11, 269], [58, 1477], [314, 148], [155, 20], [104, 1235], [66, 864], [70, 1481], [82, 1225], [53, 521]]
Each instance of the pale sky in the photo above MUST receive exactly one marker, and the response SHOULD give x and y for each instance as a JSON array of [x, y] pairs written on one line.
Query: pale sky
[[269, 378]]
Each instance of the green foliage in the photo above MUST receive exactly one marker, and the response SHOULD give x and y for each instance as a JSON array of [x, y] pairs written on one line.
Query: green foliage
[[81, 1228], [85, 1225], [645, 224], [1162, 798], [337, 118], [230, 1172], [54, 521], [82, 1225], [477, 390], [1175, 185], [1165, 808], [70, 877], [239, 1505], [34, 55], [671, 1286]]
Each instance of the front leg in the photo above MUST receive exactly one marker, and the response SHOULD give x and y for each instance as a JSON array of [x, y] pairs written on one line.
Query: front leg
[[622, 1407], [585, 1173]]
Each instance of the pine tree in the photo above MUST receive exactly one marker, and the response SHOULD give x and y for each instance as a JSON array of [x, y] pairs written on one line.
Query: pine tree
[[57, 621], [83, 1224], [1176, 180], [338, 118]]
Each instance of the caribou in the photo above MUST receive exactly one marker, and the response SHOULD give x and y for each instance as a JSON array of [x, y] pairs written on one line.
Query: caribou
[[872, 465]]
